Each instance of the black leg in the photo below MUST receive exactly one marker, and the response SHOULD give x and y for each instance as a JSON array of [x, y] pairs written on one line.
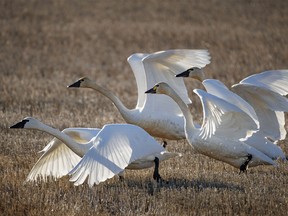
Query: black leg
[[164, 144], [121, 178], [156, 175], [243, 167]]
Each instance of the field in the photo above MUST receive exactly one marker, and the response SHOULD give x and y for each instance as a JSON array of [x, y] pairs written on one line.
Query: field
[[46, 45]]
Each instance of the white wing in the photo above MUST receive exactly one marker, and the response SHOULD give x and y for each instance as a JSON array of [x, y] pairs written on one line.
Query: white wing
[[57, 159], [115, 147], [217, 88], [223, 119], [274, 80], [262, 144], [136, 64], [162, 67], [269, 107]]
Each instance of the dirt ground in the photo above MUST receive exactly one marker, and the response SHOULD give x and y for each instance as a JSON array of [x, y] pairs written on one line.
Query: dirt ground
[[46, 45]]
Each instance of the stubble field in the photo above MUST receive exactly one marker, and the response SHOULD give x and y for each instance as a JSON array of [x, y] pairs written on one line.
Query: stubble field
[[46, 45]]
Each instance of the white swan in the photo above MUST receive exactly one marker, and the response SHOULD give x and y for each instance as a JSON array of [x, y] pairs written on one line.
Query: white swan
[[223, 125], [149, 69], [114, 148], [263, 92]]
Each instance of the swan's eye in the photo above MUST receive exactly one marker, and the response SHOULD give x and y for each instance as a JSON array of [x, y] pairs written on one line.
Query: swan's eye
[[155, 87], [81, 80]]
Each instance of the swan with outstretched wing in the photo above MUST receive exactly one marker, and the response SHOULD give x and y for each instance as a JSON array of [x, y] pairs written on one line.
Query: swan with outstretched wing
[[223, 125], [159, 115], [262, 94], [109, 152]]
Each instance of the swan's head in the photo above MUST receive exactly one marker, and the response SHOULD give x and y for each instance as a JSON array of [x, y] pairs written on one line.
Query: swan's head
[[194, 72], [81, 83], [159, 88], [27, 122]]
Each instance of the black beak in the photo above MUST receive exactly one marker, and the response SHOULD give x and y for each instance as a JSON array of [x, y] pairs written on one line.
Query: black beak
[[151, 91], [183, 74], [75, 85], [20, 124]]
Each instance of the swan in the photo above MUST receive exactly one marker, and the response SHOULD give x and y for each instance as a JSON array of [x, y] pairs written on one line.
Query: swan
[[114, 148], [149, 69], [263, 92], [223, 126]]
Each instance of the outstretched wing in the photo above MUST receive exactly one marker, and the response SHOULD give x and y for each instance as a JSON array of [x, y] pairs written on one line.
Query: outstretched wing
[[115, 147], [217, 88], [57, 159], [224, 119], [269, 106], [162, 66], [137, 67], [274, 80]]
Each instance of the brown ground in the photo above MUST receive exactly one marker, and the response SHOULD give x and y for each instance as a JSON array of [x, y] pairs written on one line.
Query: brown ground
[[46, 45]]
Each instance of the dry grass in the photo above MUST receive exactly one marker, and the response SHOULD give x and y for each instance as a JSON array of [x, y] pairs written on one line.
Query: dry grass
[[45, 45]]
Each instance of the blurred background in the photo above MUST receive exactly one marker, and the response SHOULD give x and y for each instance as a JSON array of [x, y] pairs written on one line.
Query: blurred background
[[47, 45]]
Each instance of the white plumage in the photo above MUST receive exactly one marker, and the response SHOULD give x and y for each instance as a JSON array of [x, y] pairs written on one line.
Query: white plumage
[[58, 159], [159, 115], [110, 150], [259, 94], [211, 139]]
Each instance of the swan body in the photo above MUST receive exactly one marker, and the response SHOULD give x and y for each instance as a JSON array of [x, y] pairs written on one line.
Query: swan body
[[262, 93], [149, 69], [223, 125], [112, 149]]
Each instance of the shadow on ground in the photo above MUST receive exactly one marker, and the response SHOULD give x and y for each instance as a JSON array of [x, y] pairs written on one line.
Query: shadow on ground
[[178, 184]]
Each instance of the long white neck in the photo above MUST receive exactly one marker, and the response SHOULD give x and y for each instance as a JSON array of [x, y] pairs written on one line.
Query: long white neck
[[188, 118], [77, 148], [124, 111]]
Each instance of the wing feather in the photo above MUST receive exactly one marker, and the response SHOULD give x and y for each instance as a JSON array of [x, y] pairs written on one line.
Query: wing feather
[[223, 119], [217, 88], [268, 105], [137, 67], [115, 147], [274, 80], [57, 159], [163, 66]]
